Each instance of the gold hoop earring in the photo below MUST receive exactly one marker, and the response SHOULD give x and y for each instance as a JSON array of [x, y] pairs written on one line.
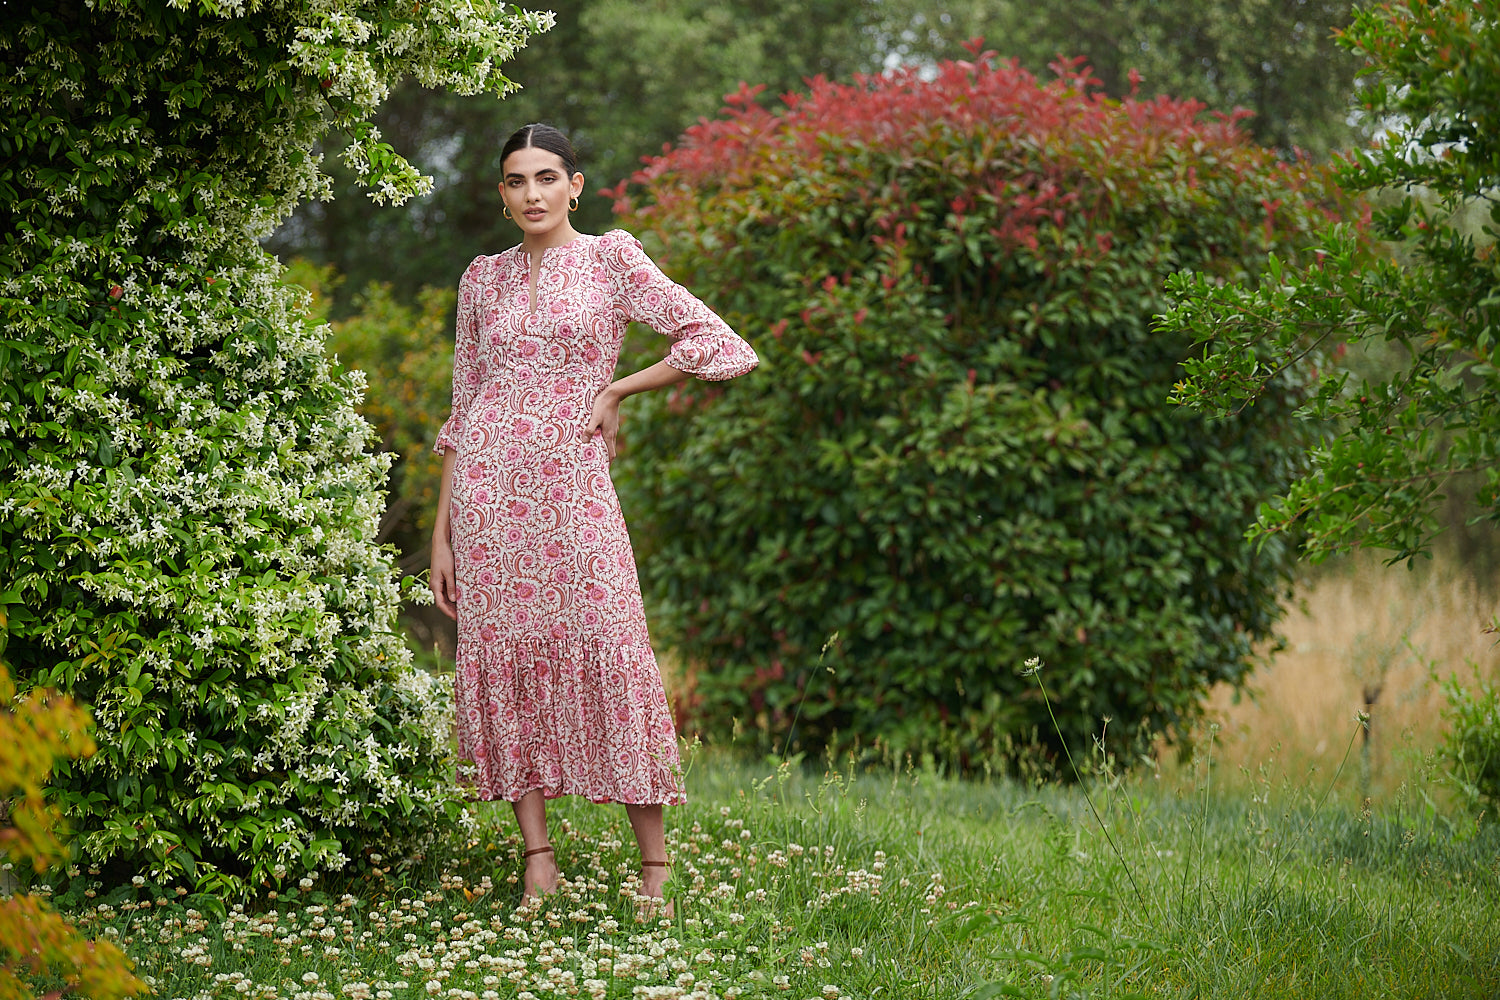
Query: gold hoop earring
[[505, 211], [573, 205]]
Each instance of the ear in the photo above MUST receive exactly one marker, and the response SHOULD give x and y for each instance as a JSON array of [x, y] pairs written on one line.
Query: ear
[[575, 185]]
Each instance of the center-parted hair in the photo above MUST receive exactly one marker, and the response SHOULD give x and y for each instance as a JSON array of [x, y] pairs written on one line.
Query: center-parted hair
[[541, 136]]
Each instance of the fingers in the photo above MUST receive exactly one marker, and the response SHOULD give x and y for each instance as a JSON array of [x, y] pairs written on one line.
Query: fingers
[[609, 442], [609, 432], [445, 591], [605, 420]]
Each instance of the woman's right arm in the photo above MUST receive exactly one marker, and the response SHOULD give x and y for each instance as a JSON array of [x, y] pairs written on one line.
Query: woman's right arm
[[444, 587], [468, 363], [467, 375]]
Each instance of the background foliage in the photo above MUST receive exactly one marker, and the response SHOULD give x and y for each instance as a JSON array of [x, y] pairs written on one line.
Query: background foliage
[[958, 452], [1471, 746], [188, 502], [401, 352], [1277, 58], [1398, 432], [624, 78], [1428, 419]]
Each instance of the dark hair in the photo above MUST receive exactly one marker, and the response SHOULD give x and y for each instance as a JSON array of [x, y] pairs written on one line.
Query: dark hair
[[545, 137]]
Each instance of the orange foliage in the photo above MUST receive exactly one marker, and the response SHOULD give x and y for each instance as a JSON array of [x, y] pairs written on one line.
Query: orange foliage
[[38, 945]]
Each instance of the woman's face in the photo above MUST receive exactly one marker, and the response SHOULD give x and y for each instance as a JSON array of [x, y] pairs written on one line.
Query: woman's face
[[537, 189]]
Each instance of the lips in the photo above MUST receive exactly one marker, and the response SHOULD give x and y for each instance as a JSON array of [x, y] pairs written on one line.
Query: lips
[[534, 214]]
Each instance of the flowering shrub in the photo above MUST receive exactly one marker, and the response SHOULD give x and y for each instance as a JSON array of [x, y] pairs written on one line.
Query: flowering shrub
[[404, 352], [189, 502], [959, 452], [36, 944]]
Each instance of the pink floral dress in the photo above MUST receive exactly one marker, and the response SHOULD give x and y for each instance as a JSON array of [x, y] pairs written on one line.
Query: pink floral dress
[[557, 687]]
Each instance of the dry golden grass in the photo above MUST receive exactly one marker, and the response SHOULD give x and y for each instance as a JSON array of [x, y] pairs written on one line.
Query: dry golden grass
[[1360, 635]]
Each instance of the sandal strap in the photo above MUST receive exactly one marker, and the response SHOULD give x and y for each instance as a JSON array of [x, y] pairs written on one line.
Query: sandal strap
[[655, 864], [537, 850]]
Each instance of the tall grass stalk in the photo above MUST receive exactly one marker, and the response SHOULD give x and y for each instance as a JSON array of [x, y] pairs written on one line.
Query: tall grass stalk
[[786, 747], [1033, 669]]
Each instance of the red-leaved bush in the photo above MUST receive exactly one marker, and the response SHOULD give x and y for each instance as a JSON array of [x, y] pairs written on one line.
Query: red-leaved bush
[[958, 453]]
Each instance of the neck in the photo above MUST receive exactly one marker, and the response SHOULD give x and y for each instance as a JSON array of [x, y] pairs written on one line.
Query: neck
[[555, 237]]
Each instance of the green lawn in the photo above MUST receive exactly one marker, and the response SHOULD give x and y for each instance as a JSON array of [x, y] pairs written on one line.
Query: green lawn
[[891, 884]]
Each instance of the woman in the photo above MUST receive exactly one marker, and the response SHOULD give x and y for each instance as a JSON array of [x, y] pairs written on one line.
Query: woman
[[557, 688]]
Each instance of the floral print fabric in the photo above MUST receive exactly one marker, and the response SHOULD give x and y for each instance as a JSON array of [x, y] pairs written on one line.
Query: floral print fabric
[[557, 687]]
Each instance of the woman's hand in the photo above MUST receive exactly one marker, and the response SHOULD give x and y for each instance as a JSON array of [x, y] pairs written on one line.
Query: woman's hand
[[606, 418], [444, 585]]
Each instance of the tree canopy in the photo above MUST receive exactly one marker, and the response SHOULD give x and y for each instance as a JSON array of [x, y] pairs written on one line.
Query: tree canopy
[[1430, 299], [1277, 58]]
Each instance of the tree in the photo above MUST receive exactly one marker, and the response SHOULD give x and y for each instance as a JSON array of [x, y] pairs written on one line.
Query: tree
[[1402, 431], [623, 78], [957, 453], [188, 502], [1277, 59]]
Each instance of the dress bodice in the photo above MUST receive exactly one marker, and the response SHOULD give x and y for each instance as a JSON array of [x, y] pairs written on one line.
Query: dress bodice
[[576, 327], [587, 292]]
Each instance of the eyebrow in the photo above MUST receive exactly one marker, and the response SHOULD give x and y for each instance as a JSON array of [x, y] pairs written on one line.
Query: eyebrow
[[539, 173]]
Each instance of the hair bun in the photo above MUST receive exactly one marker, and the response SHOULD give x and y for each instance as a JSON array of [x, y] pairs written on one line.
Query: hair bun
[[540, 135]]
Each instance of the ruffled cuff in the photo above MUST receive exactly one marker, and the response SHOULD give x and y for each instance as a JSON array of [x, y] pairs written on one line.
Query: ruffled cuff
[[713, 357], [447, 436]]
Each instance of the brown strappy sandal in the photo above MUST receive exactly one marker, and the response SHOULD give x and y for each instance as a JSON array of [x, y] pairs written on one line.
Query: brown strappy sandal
[[528, 900], [652, 907]]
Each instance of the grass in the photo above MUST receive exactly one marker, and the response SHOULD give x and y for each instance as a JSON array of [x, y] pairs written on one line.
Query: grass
[[878, 884], [1288, 858], [1361, 637]]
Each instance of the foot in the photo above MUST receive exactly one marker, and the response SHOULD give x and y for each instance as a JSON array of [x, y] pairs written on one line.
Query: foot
[[652, 905], [541, 874]]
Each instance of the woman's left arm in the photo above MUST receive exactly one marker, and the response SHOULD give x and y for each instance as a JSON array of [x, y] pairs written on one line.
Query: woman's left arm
[[703, 344], [606, 417]]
